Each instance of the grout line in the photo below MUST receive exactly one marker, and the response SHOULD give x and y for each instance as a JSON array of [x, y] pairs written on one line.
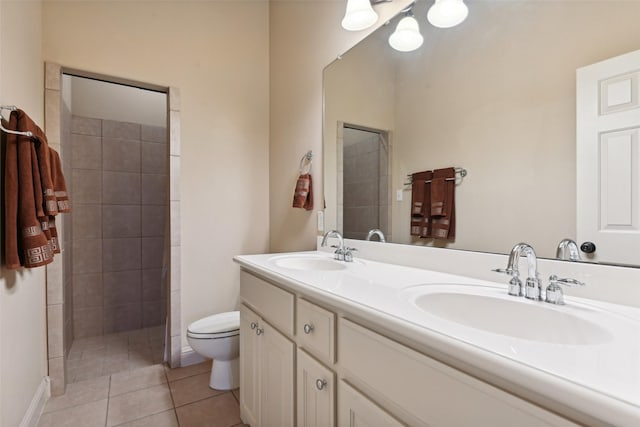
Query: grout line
[[222, 393]]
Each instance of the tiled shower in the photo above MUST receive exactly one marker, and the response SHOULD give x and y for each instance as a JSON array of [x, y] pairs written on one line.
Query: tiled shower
[[119, 201], [365, 183]]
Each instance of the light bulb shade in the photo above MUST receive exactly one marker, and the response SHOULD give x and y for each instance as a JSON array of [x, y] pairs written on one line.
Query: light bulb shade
[[447, 13], [407, 35], [359, 15]]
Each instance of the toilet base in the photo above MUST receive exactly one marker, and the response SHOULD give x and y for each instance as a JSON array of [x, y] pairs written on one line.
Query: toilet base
[[224, 374]]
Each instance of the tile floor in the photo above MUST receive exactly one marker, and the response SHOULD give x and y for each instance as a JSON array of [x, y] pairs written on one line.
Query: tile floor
[[137, 394]]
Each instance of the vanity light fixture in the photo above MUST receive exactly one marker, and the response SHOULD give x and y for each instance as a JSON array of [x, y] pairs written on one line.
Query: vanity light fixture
[[447, 13], [360, 14], [407, 35]]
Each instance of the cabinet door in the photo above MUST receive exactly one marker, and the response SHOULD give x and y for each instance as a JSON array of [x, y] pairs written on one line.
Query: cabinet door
[[355, 410], [249, 367], [316, 393], [277, 366]]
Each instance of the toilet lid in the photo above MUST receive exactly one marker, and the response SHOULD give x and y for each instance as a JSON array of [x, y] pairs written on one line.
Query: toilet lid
[[216, 324]]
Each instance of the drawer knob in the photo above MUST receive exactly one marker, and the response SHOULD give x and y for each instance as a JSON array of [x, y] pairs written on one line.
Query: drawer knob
[[308, 328], [321, 384], [259, 331], [254, 325]]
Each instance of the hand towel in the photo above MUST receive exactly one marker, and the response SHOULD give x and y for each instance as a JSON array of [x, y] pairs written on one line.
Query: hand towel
[[303, 194], [444, 223], [420, 197], [25, 242]]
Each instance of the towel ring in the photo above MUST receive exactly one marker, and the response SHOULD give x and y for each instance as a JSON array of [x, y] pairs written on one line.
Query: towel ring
[[307, 158]]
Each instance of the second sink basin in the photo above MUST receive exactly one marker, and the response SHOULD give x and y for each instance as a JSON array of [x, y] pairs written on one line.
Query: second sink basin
[[486, 309]]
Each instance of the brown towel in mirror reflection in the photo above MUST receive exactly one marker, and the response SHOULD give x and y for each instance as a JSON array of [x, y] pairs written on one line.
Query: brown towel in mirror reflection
[[443, 212], [303, 195], [420, 203]]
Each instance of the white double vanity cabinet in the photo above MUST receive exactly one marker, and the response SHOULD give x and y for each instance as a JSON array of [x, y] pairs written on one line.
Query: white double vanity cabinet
[[308, 359]]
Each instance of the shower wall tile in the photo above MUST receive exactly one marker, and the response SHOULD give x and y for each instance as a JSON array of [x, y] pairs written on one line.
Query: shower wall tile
[[174, 176], [87, 256], [175, 216], [154, 157], [55, 328], [151, 284], [86, 151], [52, 76], [87, 186], [122, 287], [87, 290], [154, 189], [151, 313], [121, 188], [121, 221], [86, 126], [152, 251], [120, 130], [121, 254], [55, 285], [52, 113], [87, 221], [154, 133], [120, 155], [153, 220], [122, 318], [87, 322]]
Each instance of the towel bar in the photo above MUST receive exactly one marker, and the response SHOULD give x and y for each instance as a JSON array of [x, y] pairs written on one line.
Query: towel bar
[[461, 171], [14, 132]]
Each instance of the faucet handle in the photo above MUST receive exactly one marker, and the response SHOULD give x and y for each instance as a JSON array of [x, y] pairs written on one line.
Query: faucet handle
[[554, 293], [508, 271], [338, 253], [348, 254], [554, 280]]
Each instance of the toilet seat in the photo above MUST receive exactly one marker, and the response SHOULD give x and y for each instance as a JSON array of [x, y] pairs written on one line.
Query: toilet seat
[[216, 326]]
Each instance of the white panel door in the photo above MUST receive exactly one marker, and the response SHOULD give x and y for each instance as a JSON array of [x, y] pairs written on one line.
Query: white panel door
[[277, 367], [608, 158], [316, 393], [249, 367]]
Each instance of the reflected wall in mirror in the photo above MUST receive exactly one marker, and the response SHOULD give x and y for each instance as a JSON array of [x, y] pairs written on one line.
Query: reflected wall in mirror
[[495, 95]]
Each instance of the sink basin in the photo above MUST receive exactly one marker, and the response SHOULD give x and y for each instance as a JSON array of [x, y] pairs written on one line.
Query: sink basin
[[308, 262], [486, 309]]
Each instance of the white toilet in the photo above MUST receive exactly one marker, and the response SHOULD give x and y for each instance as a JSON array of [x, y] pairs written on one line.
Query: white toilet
[[218, 337]]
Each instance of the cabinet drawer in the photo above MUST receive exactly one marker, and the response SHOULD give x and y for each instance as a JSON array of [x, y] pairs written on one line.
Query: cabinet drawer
[[273, 303], [427, 392], [354, 409], [315, 328]]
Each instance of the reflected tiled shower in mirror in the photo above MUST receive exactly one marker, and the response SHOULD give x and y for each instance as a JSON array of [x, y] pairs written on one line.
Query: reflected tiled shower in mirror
[[119, 178]]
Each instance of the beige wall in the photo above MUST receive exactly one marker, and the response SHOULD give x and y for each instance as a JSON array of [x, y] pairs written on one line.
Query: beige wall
[[23, 357], [217, 54], [300, 49]]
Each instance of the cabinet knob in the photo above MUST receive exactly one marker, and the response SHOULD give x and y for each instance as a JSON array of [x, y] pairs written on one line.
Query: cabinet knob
[[254, 325], [321, 384], [588, 247], [308, 328], [259, 331]]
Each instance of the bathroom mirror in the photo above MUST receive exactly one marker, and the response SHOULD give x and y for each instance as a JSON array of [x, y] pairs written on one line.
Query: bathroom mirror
[[495, 95]]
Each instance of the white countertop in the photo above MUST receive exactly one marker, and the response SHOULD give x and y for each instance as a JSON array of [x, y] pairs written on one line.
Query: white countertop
[[587, 382]]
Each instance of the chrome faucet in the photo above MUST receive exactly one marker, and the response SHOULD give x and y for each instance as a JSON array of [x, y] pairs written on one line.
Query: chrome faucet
[[376, 232], [533, 288], [342, 253], [570, 246]]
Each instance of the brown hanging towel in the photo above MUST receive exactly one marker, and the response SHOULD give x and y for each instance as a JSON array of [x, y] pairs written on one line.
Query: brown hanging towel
[[420, 202], [443, 212], [25, 242], [303, 194]]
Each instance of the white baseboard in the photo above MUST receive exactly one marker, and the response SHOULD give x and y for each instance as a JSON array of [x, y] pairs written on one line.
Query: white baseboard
[[36, 406], [189, 357]]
